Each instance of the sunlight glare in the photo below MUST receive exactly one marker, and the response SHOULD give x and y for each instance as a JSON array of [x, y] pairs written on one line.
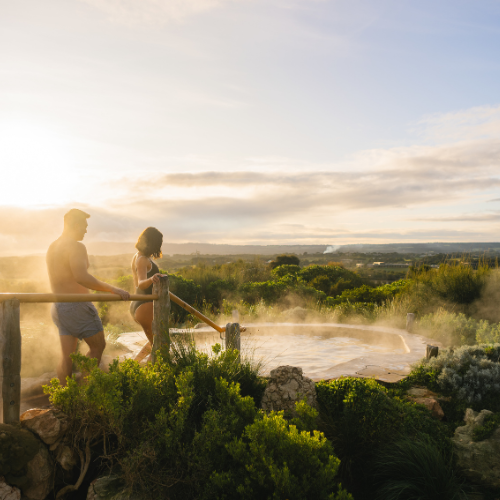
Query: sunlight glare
[[37, 165]]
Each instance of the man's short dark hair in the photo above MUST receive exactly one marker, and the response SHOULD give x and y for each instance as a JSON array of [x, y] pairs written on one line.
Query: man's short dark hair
[[75, 215]]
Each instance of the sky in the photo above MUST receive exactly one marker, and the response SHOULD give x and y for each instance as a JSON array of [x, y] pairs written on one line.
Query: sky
[[250, 121]]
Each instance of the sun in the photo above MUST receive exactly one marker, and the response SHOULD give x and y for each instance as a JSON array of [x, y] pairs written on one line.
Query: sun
[[37, 164]]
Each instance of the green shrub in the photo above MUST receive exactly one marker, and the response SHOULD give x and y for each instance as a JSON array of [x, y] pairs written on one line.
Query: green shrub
[[188, 291], [451, 328], [285, 270], [180, 428], [274, 460], [470, 374], [416, 470], [284, 260], [360, 416]]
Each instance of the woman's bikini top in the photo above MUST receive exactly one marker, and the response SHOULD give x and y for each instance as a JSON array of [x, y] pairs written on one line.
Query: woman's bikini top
[[152, 272]]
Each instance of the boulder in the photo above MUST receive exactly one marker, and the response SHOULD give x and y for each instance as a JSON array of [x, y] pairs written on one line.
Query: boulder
[[479, 461], [8, 492], [17, 448], [110, 488], [66, 457], [45, 424], [40, 471], [286, 387], [432, 405]]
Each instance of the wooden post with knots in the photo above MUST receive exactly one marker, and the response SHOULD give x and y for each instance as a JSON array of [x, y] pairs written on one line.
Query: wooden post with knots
[[233, 337], [161, 312], [10, 369]]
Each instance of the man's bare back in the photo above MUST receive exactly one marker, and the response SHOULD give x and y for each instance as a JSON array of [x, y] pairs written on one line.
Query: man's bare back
[[67, 265], [63, 256]]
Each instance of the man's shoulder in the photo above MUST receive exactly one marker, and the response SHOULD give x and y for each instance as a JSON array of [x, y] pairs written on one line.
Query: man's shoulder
[[63, 245]]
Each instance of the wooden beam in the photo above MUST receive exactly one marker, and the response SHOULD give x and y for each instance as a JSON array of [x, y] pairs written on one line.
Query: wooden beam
[[161, 312], [10, 350], [71, 297], [196, 313]]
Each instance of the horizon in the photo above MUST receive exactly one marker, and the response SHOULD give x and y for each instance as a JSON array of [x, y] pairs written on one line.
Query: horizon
[[250, 122]]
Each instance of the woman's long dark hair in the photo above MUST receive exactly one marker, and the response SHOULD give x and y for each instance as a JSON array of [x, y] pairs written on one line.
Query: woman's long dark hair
[[149, 242]]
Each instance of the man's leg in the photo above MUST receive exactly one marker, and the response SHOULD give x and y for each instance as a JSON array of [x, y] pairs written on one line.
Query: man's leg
[[65, 368], [96, 344]]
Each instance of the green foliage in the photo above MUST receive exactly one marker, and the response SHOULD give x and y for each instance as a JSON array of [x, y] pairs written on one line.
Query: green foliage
[[186, 289], [490, 425], [328, 278], [454, 283], [451, 328], [360, 416], [284, 259], [285, 270], [268, 291], [414, 470], [470, 374], [274, 460], [184, 428]]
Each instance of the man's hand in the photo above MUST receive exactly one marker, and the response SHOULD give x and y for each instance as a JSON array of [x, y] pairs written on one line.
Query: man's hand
[[122, 293]]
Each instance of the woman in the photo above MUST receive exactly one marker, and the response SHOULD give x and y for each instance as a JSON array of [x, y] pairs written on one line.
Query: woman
[[145, 273]]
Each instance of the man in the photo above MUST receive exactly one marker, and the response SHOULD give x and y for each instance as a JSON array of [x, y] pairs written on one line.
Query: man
[[67, 264]]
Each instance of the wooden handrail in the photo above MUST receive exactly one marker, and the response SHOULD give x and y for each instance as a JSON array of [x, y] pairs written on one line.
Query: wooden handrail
[[102, 297]]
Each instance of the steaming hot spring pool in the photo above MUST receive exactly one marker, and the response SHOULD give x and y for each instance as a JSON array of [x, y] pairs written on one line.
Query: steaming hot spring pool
[[322, 350]]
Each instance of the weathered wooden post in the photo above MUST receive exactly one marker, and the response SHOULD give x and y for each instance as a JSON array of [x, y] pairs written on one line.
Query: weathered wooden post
[[10, 350], [431, 351], [161, 311], [410, 321], [233, 337]]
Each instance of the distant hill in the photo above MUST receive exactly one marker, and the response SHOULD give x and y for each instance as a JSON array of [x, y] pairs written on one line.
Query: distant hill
[[108, 248]]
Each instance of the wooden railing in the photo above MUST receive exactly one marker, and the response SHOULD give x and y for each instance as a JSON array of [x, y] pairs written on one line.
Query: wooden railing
[[10, 332]]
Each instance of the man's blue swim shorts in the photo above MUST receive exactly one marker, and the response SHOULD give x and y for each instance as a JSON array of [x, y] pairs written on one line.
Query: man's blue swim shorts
[[78, 319]]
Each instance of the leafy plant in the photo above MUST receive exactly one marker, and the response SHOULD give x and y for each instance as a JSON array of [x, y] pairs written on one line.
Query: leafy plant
[[414, 470], [490, 425], [360, 416]]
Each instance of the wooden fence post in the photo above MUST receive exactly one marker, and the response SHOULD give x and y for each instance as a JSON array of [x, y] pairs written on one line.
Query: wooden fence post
[[233, 337], [410, 321], [10, 350], [161, 311]]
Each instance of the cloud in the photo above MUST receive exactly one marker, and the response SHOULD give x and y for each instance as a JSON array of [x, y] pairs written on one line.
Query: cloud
[[135, 12]]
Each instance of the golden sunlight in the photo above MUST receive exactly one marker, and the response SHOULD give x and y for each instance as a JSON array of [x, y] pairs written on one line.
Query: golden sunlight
[[38, 165]]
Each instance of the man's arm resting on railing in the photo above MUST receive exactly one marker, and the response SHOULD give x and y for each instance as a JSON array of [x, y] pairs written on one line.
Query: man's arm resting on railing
[[78, 263]]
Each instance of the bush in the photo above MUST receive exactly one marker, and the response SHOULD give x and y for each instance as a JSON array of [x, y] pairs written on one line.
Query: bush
[[470, 374], [360, 417], [284, 259], [178, 428], [274, 460], [414, 470], [451, 328], [188, 291]]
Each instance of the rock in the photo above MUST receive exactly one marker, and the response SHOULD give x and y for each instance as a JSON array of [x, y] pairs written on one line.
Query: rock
[[40, 470], [110, 488], [479, 461], [8, 492], [45, 424], [67, 457], [17, 448], [432, 405], [421, 392], [287, 386]]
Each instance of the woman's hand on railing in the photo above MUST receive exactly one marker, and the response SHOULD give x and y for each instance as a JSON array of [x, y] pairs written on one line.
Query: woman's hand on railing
[[156, 277]]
